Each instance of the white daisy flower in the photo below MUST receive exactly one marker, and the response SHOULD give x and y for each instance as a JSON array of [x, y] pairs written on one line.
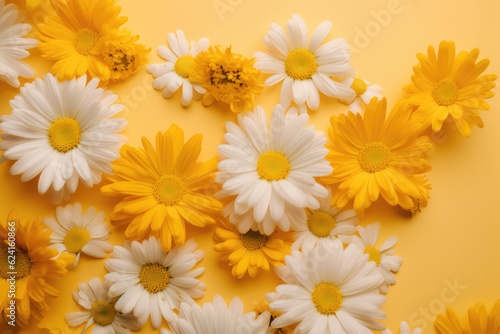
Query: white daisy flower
[[365, 91], [327, 222], [329, 290], [13, 47], [384, 257], [64, 132], [404, 329], [216, 318], [270, 171], [151, 282], [74, 232], [305, 67], [174, 73], [100, 310]]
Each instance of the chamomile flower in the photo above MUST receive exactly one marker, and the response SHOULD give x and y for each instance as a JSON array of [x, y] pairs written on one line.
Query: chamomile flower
[[329, 290], [151, 282], [365, 92], [479, 321], [77, 233], [383, 257], [305, 66], [216, 318], [404, 329], [327, 222], [100, 310], [176, 71], [13, 47], [62, 131], [269, 172]]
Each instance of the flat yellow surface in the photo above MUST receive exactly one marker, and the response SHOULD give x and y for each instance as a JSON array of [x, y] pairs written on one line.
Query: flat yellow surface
[[454, 241]]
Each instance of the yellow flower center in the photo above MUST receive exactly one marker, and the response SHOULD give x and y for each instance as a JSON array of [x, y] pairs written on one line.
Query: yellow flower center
[[327, 298], [445, 92], [85, 41], [103, 312], [373, 253], [359, 87], [253, 240], [168, 190], [320, 223], [64, 134], [14, 261], [273, 166], [374, 157], [184, 66], [300, 64], [76, 239], [154, 277]]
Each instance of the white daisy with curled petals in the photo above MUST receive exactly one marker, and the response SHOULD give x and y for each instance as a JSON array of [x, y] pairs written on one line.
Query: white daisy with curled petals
[[217, 318], [174, 73], [329, 290], [383, 257], [305, 66], [404, 329], [151, 282], [77, 233], [100, 310], [325, 223], [64, 132], [13, 46], [268, 173], [364, 90]]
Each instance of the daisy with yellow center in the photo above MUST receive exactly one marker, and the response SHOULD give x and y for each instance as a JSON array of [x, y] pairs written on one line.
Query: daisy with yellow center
[[71, 37], [178, 68], [163, 188], [100, 312], [365, 91], [373, 157], [35, 263], [305, 66], [251, 251], [226, 77], [324, 295], [151, 282], [75, 233], [404, 329], [479, 321], [450, 87]]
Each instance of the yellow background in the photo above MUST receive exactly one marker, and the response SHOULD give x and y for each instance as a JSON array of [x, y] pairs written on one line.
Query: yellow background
[[455, 238]]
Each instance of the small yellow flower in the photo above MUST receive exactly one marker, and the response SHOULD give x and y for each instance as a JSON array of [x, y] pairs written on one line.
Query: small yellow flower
[[227, 77], [479, 321], [263, 306], [446, 85]]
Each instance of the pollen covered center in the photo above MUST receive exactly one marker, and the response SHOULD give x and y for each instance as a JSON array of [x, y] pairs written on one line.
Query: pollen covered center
[[168, 190], [103, 312], [64, 134], [184, 66], [154, 277], [373, 253], [76, 239], [359, 87], [327, 298], [273, 166], [374, 157], [445, 92], [14, 260], [85, 41], [321, 223], [300, 64], [253, 240]]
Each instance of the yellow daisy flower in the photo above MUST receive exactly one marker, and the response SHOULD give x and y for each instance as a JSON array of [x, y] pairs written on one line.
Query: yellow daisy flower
[[34, 262], [72, 35], [372, 156], [227, 77], [479, 321], [247, 252], [161, 189], [446, 85], [263, 306]]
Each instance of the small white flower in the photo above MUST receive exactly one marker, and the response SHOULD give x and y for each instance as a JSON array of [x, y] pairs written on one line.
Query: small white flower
[[365, 91], [75, 233], [404, 329], [13, 46], [174, 73], [150, 282], [305, 67], [216, 318], [384, 257], [100, 310]]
